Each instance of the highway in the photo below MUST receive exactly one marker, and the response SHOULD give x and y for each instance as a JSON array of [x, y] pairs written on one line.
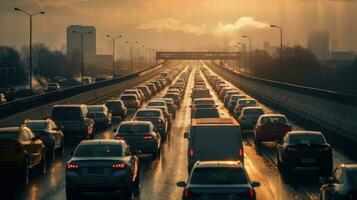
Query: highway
[[158, 179]]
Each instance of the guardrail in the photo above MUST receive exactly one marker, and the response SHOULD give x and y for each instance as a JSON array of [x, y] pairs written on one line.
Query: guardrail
[[333, 111], [27, 103]]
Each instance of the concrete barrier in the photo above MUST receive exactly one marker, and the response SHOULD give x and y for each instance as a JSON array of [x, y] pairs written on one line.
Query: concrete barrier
[[333, 111]]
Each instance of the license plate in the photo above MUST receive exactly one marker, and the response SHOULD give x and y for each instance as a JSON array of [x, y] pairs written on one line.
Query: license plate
[[95, 171], [308, 160]]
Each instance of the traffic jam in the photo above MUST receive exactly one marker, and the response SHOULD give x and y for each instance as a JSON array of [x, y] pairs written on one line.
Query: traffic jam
[[136, 128]]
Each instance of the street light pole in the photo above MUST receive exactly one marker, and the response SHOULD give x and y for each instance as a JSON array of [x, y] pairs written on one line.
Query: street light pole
[[30, 15], [82, 54], [281, 51], [244, 62], [131, 54], [139, 61], [250, 53], [114, 38]]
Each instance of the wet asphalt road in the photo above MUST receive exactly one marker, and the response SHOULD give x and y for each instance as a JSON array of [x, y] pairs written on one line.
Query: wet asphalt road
[[158, 179]]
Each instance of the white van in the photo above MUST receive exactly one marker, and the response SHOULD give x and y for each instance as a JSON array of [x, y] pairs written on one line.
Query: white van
[[214, 139]]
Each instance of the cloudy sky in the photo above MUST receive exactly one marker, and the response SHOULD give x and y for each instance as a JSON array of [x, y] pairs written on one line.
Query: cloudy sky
[[181, 24]]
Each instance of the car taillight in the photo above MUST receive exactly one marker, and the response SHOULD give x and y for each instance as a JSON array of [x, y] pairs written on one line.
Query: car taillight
[[192, 152], [324, 149], [148, 137], [244, 117], [119, 137], [71, 166], [186, 193], [251, 193], [119, 166], [240, 152], [292, 150]]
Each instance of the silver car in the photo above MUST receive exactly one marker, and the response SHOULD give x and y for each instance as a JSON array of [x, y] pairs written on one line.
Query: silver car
[[249, 117], [102, 165]]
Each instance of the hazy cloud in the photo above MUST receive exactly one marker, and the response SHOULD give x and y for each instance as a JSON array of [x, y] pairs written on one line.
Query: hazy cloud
[[240, 24]]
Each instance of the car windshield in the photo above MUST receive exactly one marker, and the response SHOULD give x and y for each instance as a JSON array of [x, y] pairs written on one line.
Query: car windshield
[[126, 98], [307, 139], [206, 113], [41, 125], [66, 114], [273, 120], [99, 150], [253, 112], [8, 135], [156, 103], [247, 103], [218, 176], [151, 113], [134, 128]]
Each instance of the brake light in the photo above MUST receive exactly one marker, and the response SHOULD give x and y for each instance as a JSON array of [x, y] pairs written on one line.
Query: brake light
[[244, 117], [119, 166], [192, 152], [251, 193], [324, 149], [119, 137], [240, 152], [149, 137], [71, 166], [186, 192], [291, 150]]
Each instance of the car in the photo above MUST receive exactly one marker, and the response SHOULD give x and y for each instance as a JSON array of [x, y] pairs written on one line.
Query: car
[[53, 87], [249, 117], [101, 115], [156, 102], [170, 106], [304, 149], [228, 95], [140, 136], [271, 127], [200, 93], [341, 185], [223, 92], [155, 116], [241, 103], [21, 151], [117, 108], [2, 98], [232, 103], [218, 180], [74, 121], [152, 88], [145, 90], [102, 165], [166, 113], [135, 92], [87, 80], [205, 113], [175, 97], [223, 134], [52, 137], [130, 101], [157, 85]]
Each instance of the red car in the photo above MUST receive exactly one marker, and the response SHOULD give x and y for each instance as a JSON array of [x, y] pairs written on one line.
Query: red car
[[271, 127]]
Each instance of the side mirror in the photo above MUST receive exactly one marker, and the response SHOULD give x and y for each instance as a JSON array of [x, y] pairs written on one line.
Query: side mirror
[[255, 184], [185, 135], [181, 184]]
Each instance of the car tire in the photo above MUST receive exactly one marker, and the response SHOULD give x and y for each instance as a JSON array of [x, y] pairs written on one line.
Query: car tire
[[42, 165], [24, 175]]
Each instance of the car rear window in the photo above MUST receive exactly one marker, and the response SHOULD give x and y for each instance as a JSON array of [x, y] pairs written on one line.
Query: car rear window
[[253, 112], [204, 102], [219, 176], [306, 139], [8, 135], [99, 150], [156, 103], [37, 125], [93, 109], [114, 105], [351, 175], [206, 113], [131, 97], [247, 102], [150, 113], [273, 120], [134, 128], [66, 113], [235, 98]]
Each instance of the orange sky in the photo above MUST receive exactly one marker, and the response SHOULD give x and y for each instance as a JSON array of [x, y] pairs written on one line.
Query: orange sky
[[183, 24]]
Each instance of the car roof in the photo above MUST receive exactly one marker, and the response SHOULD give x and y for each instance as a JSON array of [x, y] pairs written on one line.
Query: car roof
[[215, 164], [70, 105], [96, 106], [157, 100], [135, 123], [149, 109], [128, 95], [273, 115], [9, 129], [349, 166], [252, 108], [102, 141], [114, 100], [214, 121], [304, 133], [201, 99]]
